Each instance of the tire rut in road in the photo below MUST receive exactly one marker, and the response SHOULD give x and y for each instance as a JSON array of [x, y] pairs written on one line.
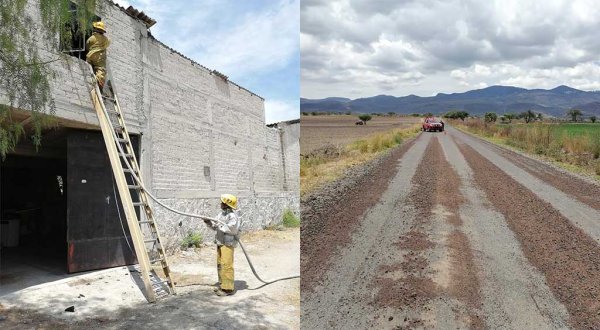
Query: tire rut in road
[[567, 257], [330, 215], [583, 190], [514, 293], [413, 283], [343, 299]]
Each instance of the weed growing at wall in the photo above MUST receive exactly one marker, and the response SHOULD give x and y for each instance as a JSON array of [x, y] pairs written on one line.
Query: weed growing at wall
[[290, 220], [192, 239]]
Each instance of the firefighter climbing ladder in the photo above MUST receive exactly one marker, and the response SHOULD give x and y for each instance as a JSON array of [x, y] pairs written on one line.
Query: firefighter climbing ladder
[[148, 249]]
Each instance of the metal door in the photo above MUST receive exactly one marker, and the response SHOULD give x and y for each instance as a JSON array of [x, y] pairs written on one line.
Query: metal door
[[96, 237]]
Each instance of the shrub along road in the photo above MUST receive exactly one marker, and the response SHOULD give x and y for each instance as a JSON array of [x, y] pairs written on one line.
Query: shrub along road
[[451, 231]]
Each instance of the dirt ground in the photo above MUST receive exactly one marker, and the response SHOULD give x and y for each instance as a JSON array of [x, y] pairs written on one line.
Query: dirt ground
[[463, 234], [110, 299], [318, 131]]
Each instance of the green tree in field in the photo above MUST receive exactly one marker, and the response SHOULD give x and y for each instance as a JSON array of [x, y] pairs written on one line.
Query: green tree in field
[[365, 118], [24, 75], [593, 119], [391, 113], [574, 113], [456, 115], [416, 115], [348, 113], [510, 117], [528, 116], [490, 117], [539, 116], [429, 114]]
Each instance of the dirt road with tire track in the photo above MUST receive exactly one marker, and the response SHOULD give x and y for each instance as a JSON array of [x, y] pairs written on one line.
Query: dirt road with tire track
[[461, 234]]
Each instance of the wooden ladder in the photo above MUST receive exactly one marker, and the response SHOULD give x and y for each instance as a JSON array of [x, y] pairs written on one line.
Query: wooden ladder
[[144, 234]]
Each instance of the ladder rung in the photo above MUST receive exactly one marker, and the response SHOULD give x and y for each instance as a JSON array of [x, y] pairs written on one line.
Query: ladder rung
[[156, 260], [150, 240], [108, 98], [133, 186], [145, 221], [122, 140], [126, 170], [139, 204], [126, 155]]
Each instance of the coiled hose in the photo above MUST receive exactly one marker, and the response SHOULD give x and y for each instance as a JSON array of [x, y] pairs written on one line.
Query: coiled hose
[[137, 179]]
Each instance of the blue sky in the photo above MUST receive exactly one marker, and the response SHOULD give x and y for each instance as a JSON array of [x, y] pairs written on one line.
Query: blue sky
[[255, 43]]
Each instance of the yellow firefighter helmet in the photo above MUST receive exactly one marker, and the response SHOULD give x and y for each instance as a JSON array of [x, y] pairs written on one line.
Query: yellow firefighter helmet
[[99, 26], [229, 200]]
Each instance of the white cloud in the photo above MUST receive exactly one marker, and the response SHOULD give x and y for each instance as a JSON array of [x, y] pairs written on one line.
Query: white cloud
[[279, 110], [265, 41], [357, 48]]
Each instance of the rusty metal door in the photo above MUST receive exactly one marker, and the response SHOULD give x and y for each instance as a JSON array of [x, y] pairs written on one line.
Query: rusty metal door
[[96, 237]]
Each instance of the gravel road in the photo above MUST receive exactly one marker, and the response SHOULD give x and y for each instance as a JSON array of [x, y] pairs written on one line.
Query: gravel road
[[450, 231]]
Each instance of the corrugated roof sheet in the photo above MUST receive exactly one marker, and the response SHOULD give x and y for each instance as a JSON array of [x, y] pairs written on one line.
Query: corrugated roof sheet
[[135, 14], [140, 15]]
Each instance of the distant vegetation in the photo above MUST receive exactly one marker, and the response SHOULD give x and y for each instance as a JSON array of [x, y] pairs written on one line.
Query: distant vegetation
[[490, 117], [570, 143], [575, 114], [462, 115], [365, 118]]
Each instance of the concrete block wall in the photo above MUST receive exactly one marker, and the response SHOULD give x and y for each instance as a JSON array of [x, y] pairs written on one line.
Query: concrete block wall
[[201, 135]]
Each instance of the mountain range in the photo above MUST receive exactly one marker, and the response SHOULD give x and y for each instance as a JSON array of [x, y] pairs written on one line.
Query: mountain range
[[500, 99]]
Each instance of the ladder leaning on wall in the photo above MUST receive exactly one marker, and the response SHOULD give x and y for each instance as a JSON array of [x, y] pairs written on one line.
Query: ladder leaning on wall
[[144, 232]]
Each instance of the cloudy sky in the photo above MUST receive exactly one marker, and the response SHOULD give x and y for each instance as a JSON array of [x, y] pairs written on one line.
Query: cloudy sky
[[255, 43], [357, 48]]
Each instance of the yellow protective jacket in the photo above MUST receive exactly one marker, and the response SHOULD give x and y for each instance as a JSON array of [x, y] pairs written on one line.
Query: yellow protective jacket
[[96, 46]]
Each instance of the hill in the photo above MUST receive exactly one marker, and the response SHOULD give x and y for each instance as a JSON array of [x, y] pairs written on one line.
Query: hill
[[500, 99]]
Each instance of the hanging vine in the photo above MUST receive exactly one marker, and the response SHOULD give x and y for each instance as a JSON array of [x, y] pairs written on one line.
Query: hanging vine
[[25, 75]]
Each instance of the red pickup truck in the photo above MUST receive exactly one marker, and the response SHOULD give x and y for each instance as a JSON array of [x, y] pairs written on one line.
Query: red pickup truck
[[433, 124]]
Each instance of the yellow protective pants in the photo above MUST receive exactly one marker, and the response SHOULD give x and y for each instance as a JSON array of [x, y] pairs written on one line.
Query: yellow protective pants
[[98, 62], [225, 266]]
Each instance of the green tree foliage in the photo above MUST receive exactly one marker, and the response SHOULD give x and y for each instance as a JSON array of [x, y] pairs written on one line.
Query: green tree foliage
[[490, 117], [456, 115], [365, 118], [510, 117], [574, 113], [593, 119], [528, 116], [25, 75]]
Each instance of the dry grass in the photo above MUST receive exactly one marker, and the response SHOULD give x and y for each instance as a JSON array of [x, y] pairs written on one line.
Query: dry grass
[[329, 162], [574, 146]]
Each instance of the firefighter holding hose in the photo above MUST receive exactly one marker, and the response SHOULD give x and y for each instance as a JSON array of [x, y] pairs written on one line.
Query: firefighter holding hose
[[226, 241], [96, 55]]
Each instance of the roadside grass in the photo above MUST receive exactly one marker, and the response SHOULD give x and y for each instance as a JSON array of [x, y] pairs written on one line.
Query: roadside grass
[[329, 163], [573, 146]]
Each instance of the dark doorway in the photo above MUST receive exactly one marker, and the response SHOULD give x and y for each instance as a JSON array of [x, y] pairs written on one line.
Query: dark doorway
[[33, 212], [59, 213]]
